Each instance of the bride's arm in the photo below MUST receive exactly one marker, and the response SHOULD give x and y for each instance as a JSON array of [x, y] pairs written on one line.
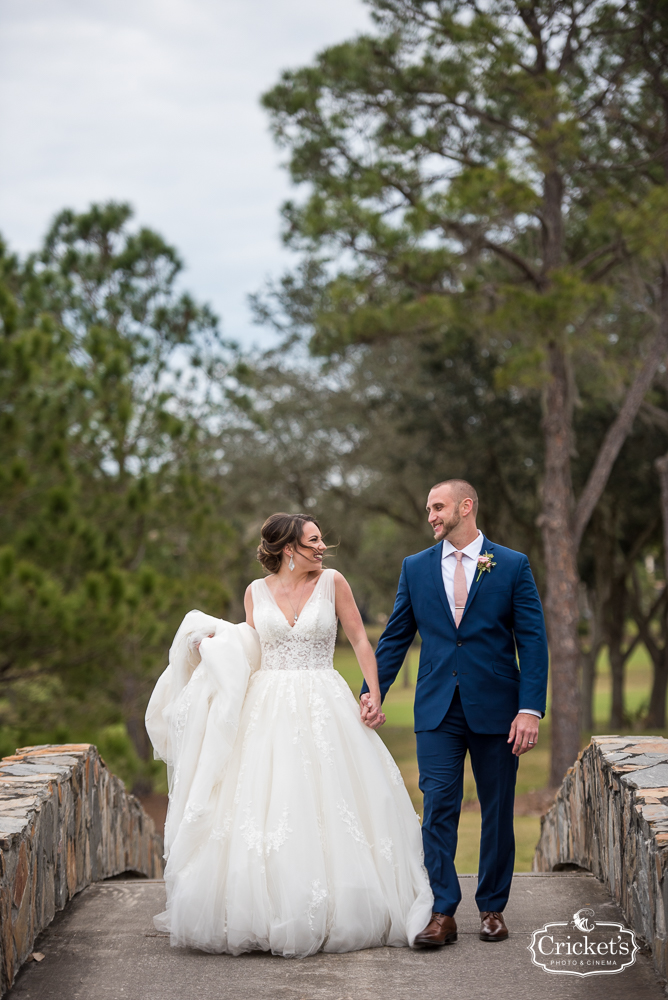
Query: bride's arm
[[248, 606], [351, 620]]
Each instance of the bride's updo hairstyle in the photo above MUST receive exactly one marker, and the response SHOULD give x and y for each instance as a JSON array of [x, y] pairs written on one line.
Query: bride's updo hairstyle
[[278, 531]]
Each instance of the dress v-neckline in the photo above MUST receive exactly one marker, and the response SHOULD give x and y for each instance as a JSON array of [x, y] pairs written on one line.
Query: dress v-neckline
[[308, 599]]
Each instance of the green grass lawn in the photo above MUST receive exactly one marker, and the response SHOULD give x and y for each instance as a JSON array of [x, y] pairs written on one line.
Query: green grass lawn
[[533, 771]]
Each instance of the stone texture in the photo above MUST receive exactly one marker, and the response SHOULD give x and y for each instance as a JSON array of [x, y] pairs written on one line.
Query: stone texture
[[610, 816], [65, 822], [646, 777], [637, 759]]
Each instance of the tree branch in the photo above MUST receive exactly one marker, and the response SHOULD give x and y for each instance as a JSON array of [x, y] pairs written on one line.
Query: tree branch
[[513, 258], [621, 427], [643, 620], [654, 414], [604, 268], [595, 254], [633, 165]]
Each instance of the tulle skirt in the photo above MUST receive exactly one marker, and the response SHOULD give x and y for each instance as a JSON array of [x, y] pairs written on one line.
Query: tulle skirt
[[312, 842]]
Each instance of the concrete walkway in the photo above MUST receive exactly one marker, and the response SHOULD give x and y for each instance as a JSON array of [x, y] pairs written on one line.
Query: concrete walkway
[[103, 947]]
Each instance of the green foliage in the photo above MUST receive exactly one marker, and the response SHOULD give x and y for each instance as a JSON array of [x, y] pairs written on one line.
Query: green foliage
[[110, 515], [455, 165]]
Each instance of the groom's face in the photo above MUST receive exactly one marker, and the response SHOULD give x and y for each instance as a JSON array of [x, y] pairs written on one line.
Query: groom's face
[[443, 512]]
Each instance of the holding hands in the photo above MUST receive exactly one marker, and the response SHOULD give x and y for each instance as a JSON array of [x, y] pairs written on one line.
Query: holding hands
[[370, 711]]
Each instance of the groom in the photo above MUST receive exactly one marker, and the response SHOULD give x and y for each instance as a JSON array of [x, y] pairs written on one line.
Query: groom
[[478, 612]]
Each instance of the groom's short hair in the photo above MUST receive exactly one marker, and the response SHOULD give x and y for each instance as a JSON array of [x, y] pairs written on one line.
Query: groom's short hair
[[461, 490]]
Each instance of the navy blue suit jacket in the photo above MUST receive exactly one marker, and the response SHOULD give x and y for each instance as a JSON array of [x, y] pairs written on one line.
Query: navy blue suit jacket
[[502, 622]]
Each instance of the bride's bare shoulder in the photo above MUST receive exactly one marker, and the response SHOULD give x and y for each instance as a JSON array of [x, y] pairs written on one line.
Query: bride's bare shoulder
[[248, 596], [339, 579]]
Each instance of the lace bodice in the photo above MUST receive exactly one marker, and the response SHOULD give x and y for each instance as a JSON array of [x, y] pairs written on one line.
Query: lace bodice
[[309, 645]]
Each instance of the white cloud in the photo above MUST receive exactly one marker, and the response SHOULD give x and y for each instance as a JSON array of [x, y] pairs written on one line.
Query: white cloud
[[156, 103]]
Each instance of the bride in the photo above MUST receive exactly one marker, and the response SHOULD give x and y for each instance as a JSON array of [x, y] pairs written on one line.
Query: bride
[[289, 828]]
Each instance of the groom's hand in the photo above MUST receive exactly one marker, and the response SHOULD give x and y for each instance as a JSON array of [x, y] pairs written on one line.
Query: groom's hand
[[524, 732], [371, 716]]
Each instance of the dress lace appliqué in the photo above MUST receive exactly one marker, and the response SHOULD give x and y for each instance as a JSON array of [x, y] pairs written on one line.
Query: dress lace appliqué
[[351, 824], [309, 645], [264, 842], [318, 897]]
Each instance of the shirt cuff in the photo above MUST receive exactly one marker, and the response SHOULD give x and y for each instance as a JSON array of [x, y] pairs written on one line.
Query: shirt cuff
[[531, 711]]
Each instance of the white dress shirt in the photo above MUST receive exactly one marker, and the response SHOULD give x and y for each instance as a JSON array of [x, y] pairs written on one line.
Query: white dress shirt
[[470, 563]]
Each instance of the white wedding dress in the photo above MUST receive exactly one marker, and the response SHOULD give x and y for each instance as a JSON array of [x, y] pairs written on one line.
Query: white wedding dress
[[289, 828]]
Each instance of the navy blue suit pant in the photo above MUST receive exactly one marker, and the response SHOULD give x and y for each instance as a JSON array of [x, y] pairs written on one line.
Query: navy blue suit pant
[[441, 753]]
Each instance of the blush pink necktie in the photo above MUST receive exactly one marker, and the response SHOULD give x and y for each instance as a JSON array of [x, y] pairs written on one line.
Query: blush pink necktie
[[461, 590]]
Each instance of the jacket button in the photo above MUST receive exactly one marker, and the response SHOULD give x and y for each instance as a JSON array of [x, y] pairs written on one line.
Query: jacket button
[[454, 673], [459, 642]]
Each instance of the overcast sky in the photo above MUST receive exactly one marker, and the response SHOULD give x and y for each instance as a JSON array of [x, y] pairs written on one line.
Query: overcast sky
[[155, 102]]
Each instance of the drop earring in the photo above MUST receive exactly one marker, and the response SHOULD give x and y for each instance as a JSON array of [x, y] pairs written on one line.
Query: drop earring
[[291, 564]]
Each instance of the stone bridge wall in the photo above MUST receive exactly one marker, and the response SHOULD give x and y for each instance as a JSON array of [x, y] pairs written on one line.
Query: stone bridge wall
[[65, 821], [610, 816]]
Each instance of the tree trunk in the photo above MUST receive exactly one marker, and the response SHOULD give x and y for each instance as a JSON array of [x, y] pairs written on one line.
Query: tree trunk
[[615, 636], [658, 651], [134, 722], [561, 604], [656, 716], [588, 686], [617, 683], [588, 657], [591, 611]]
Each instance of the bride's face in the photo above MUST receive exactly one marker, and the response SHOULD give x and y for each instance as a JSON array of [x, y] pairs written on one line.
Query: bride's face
[[308, 554]]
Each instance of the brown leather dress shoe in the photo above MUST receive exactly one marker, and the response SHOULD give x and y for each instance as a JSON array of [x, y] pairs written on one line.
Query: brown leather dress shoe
[[439, 931], [492, 927]]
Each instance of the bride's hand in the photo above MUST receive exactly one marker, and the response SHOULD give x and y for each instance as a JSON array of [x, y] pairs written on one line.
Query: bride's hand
[[199, 641], [370, 711]]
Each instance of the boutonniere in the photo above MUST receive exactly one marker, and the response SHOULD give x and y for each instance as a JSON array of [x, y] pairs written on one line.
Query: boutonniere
[[485, 563]]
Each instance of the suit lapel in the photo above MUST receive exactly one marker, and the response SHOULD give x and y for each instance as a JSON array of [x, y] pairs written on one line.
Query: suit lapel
[[437, 573], [479, 577]]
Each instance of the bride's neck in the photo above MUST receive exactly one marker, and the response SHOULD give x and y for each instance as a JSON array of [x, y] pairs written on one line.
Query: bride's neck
[[292, 579]]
